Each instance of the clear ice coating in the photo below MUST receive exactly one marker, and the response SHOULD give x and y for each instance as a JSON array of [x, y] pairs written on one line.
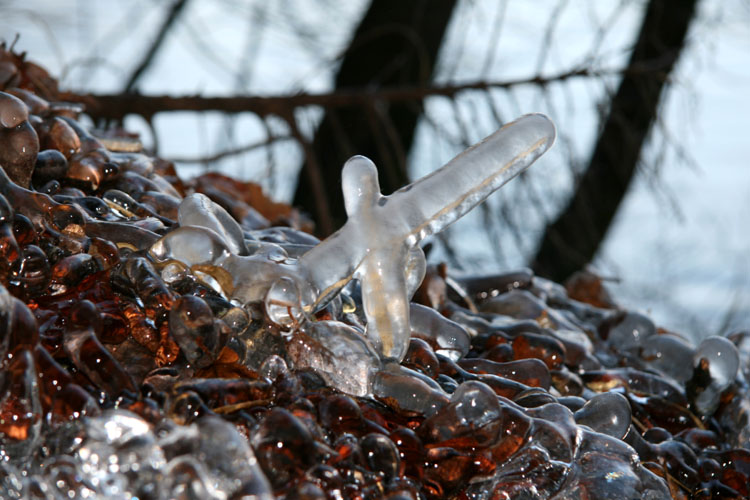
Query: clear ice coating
[[120, 456], [199, 210], [632, 331], [377, 245], [667, 353], [118, 383], [722, 357], [339, 352], [451, 338]]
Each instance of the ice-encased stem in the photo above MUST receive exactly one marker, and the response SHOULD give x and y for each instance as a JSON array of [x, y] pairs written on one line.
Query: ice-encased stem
[[450, 192], [380, 231]]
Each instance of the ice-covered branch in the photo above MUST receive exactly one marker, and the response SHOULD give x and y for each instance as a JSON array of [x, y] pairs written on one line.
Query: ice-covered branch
[[379, 244]]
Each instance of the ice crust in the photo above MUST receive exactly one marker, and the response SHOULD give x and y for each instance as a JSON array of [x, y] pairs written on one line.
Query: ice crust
[[378, 245]]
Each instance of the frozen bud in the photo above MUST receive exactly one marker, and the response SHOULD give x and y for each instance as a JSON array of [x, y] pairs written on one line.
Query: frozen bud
[[283, 303]]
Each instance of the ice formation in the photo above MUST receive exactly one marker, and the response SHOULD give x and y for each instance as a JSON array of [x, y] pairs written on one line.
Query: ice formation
[[121, 373], [379, 243]]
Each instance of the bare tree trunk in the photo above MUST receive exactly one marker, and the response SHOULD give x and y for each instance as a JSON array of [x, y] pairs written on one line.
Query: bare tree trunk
[[396, 44], [571, 241]]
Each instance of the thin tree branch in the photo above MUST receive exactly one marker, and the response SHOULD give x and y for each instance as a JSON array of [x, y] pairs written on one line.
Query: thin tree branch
[[174, 12], [232, 151], [313, 176], [117, 106]]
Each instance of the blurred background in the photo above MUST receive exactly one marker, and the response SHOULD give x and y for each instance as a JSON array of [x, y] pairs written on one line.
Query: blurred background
[[647, 185]]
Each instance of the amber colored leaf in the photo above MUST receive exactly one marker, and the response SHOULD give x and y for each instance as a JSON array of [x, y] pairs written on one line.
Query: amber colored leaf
[[587, 287]]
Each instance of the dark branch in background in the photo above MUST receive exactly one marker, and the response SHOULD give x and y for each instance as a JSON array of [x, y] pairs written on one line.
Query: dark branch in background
[[314, 174], [572, 240], [117, 106], [395, 44], [174, 12], [232, 151]]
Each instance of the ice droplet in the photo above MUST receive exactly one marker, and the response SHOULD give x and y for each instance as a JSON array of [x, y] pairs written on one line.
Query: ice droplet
[[667, 353], [608, 413], [407, 391], [20, 408], [473, 413], [632, 331], [190, 245]]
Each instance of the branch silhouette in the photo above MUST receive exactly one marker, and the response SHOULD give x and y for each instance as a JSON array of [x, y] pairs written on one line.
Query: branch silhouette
[[117, 106]]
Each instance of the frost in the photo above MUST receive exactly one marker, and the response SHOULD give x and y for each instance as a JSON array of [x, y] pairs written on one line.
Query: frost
[[378, 245]]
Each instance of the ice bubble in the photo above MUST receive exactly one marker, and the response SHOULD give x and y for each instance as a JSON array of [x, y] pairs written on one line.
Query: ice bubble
[[232, 464], [50, 165], [631, 331], [273, 367], [283, 444], [519, 304], [190, 245], [12, 110], [608, 413], [19, 146], [237, 319], [475, 404], [668, 353], [555, 438], [381, 455], [452, 340], [422, 358]]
